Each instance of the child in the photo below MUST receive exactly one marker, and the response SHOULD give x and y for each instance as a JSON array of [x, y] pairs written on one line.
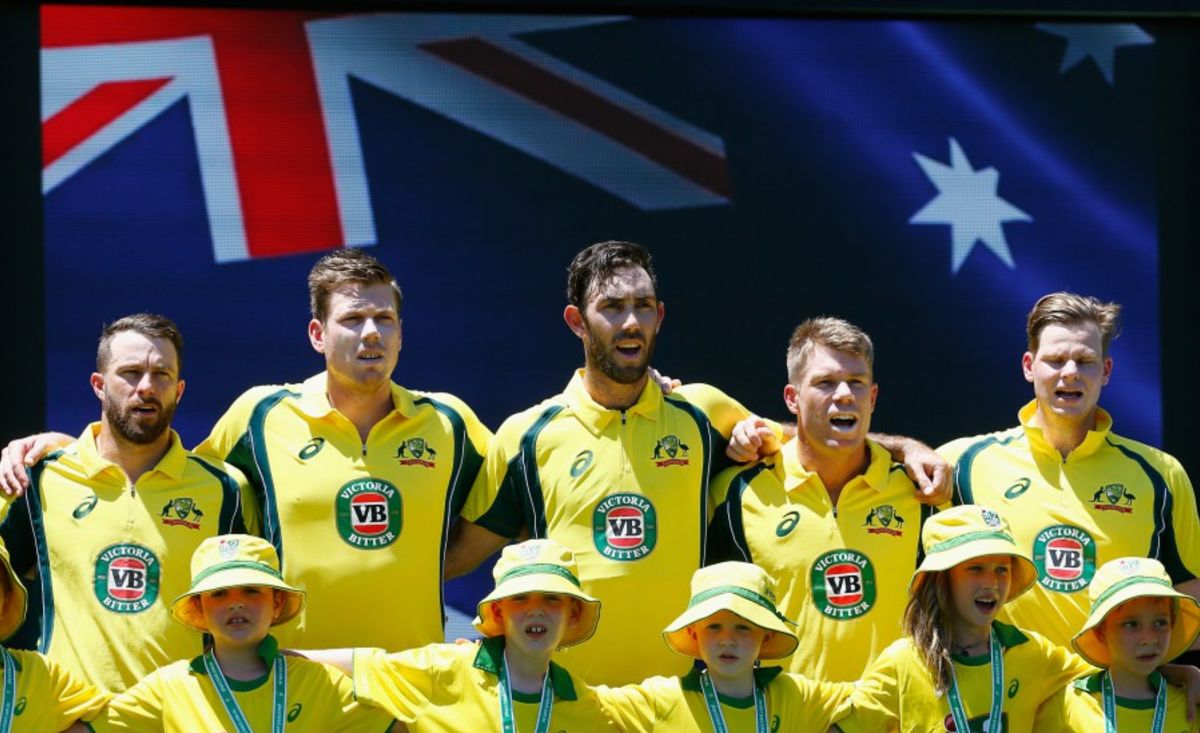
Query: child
[[730, 623], [959, 668], [241, 683], [1137, 623], [38, 695], [507, 682]]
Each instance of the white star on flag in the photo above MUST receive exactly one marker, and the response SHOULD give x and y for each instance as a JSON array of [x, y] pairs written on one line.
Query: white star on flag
[[1097, 40], [967, 201]]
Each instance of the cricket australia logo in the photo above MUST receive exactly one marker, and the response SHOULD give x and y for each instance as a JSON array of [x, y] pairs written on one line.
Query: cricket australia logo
[[843, 584], [182, 512], [886, 515], [416, 452], [1117, 497], [676, 452], [369, 513], [1065, 558], [625, 527], [127, 577]]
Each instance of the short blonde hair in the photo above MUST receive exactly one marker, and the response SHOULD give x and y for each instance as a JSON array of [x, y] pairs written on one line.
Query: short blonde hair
[[833, 333], [1065, 308]]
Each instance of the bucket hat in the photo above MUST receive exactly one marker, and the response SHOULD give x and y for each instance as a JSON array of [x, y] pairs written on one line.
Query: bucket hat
[[234, 561], [741, 588]]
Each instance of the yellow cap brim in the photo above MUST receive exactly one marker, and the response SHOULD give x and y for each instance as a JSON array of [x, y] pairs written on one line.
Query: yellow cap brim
[[781, 645], [188, 613], [1183, 633], [488, 625], [1024, 574]]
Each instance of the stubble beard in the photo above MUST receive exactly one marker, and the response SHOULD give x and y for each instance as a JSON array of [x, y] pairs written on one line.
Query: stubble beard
[[129, 429]]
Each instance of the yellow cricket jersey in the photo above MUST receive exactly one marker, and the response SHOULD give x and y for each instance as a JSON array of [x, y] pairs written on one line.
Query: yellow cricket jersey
[[111, 557], [1112, 497], [676, 704], [452, 688], [361, 527], [628, 493], [49, 698], [897, 691], [842, 572], [1079, 708], [179, 698]]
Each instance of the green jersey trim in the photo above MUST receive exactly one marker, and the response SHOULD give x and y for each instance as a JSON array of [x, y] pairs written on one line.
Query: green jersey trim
[[964, 492], [727, 532], [231, 520], [1162, 542], [491, 651], [250, 455], [706, 430]]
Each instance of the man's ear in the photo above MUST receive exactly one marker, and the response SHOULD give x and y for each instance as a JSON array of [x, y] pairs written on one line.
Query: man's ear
[[316, 336], [574, 318]]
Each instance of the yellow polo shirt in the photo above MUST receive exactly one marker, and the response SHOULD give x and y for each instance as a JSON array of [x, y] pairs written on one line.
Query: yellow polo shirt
[[1112, 497], [451, 688], [897, 691], [111, 557], [361, 527], [179, 698], [1079, 708], [49, 698], [676, 704], [628, 492], [841, 573]]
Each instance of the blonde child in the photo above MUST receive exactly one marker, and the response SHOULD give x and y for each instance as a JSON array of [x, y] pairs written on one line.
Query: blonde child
[[507, 682], [241, 683], [731, 623], [36, 695], [1137, 623], [958, 668]]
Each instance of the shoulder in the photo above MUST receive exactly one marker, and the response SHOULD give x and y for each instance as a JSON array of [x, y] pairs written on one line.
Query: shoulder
[[518, 424], [444, 401], [1156, 457], [741, 477], [704, 396], [957, 448], [216, 467], [257, 398]]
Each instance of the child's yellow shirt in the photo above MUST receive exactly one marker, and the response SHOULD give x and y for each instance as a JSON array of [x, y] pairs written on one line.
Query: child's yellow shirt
[[453, 688], [179, 698], [49, 697], [676, 704], [1079, 708], [897, 690]]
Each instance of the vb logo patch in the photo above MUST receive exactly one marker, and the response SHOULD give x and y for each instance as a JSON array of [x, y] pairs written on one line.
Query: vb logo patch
[[182, 512], [369, 513], [625, 527], [1065, 558], [1113, 498], [843, 584], [675, 452], [416, 452], [890, 523], [127, 577]]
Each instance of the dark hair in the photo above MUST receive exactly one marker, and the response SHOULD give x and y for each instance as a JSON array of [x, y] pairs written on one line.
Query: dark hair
[[598, 262], [150, 325], [1066, 309], [343, 266]]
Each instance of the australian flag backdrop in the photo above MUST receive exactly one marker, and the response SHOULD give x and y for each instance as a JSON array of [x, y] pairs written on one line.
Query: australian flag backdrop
[[925, 179]]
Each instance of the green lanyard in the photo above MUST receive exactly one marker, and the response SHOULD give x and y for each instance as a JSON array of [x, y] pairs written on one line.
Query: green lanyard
[[714, 706], [956, 706], [508, 723], [10, 692], [231, 707], [1110, 705]]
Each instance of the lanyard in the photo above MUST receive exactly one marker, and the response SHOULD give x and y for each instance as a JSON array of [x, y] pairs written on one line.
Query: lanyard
[[231, 707], [508, 723], [956, 706], [10, 692], [714, 706], [1110, 705]]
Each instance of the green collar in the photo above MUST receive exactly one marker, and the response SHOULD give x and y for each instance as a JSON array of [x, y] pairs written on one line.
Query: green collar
[[1091, 683], [491, 652], [268, 649], [762, 678], [1009, 636]]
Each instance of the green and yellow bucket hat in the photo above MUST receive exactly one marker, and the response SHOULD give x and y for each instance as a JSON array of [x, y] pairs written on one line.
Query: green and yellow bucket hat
[[538, 566], [966, 532], [1125, 579], [15, 602], [235, 561], [741, 588]]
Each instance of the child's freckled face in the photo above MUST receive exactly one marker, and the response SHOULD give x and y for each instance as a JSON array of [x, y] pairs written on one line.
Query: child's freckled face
[[1138, 633], [240, 616], [537, 622], [729, 644]]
